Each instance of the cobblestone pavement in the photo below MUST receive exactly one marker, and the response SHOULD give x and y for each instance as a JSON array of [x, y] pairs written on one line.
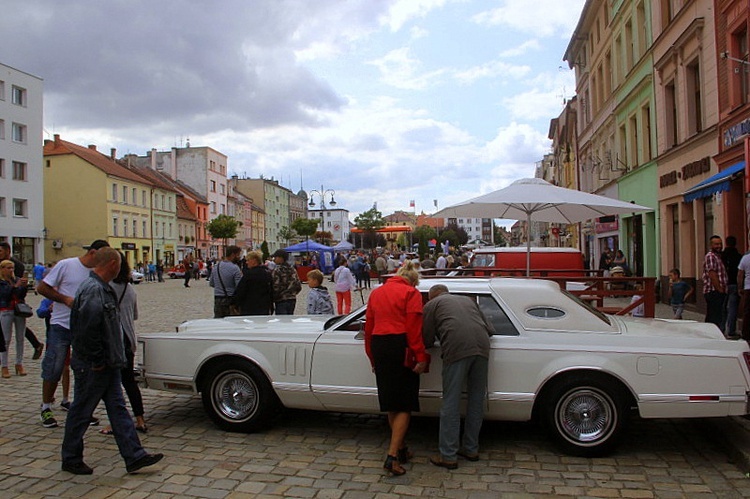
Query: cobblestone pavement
[[330, 455]]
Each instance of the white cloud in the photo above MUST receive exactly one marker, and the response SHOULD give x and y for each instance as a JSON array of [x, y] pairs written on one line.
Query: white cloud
[[522, 49], [497, 70], [399, 69], [403, 11], [417, 32], [541, 17]]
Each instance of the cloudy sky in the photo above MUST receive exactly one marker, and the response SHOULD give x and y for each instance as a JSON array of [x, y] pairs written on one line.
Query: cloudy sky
[[383, 101]]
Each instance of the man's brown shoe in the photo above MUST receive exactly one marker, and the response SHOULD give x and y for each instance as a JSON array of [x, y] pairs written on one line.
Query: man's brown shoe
[[467, 456], [438, 461]]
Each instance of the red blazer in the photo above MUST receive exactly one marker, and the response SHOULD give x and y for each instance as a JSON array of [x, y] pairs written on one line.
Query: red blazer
[[396, 308]]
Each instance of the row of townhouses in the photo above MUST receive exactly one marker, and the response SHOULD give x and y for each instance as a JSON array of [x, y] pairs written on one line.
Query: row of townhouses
[[661, 117]]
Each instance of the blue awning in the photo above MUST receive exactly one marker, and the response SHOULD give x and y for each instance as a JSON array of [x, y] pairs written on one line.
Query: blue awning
[[716, 183]]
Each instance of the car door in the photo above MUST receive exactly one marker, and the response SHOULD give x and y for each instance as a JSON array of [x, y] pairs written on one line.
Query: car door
[[341, 377]]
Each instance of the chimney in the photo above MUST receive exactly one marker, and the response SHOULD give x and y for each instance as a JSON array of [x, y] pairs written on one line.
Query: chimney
[[57, 139], [113, 153], [92, 147], [153, 158], [173, 164]]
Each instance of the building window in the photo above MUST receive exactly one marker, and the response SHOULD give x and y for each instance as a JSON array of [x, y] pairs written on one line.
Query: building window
[[19, 171], [213, 186], [2, 90], [634, 146], [2, 129], [125, 227], [695, 104], [646, 125], [125, 194], [222, 208], [170, 230], [18, 96], [20, 208], [143, 198], [114, 192], [221, 188], [2, 168], [213, 207], [143, 228], [739, 72], [115, 227], [2, 206], [134, 196], [19, 133], [135, 228], [670, 104]]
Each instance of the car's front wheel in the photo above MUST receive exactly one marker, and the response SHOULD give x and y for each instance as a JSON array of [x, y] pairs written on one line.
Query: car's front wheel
[[238, 397], [585, 417]]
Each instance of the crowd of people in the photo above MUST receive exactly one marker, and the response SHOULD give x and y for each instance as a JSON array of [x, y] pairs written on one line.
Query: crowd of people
[[726, 284]]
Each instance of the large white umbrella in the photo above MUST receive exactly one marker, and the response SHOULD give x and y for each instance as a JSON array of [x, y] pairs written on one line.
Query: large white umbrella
[[535, 198]]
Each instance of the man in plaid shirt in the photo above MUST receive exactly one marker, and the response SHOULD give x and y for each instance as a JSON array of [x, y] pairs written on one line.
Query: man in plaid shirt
[[714, 282]]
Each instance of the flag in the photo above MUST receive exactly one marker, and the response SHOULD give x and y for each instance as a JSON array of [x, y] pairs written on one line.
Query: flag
[[411, 204], [434, 201]]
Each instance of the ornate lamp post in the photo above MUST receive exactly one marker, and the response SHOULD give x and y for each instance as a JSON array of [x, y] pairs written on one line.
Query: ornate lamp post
[[322, 194]]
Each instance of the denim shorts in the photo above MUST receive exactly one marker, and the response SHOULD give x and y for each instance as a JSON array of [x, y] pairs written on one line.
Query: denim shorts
[[58, 346]]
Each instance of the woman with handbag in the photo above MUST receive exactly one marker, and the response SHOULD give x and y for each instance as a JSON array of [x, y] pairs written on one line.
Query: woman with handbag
[[12, 295], [394, 345]]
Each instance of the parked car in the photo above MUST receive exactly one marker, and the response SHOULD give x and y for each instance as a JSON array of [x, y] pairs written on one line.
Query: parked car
[[176, 272], [553, 357], [136, 277], [555, 259]]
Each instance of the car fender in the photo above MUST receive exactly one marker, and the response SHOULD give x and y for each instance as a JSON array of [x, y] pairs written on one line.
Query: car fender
[[230, 349]]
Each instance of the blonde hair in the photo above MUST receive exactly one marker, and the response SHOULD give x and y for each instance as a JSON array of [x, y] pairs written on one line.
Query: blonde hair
[[8, 263], [408, 271], [256, 256], [315, 275]]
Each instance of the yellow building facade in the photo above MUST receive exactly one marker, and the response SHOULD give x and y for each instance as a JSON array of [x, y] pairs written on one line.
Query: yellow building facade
[[89, 196]]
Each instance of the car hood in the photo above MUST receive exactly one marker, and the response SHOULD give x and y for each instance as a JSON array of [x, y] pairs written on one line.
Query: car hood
[[668, 328], [289, 323]]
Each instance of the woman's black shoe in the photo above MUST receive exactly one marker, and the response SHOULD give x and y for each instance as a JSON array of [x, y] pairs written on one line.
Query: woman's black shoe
[[392, 466]]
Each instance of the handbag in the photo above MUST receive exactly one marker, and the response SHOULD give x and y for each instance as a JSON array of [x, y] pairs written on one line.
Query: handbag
[[22, 309], [233, 309]]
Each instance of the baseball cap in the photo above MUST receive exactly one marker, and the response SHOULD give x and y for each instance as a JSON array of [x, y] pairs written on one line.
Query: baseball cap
[[99, 243], [280, 253]]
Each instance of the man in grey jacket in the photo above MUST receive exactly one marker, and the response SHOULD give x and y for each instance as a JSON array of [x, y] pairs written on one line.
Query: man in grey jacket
[[98, 356], [464, 335], [225, 276]]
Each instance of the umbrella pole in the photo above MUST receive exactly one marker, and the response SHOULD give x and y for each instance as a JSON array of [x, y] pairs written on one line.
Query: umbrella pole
[[528, 244]]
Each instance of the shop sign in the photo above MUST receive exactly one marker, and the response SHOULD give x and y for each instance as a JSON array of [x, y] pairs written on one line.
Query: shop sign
[[696, 168], [668, 179], [735, 133], [607, 226], [169, 247], [128, 246]]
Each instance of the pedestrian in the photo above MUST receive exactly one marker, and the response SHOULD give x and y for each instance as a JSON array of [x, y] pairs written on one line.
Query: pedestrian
[[464, 334], [127, 305], [286, 284], [187, 265], [730, 257], [254, 293], [394, 345], [440, 264], [743, 279], [97, 362], [318, 299], [605, 262], [19, 270], [12, 291], [620, 261], [380, 265], [160, 271], [224, 279], [60, 286], [366, 268], [714, 282], [45, 312], [343, 284], [679, 292]]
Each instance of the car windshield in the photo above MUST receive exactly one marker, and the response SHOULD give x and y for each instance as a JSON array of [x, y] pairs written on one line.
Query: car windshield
[[588, 307]]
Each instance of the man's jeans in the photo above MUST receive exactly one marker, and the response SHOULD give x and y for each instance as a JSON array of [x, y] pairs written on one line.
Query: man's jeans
[[90, 388], [715, 307], [473, 370], [285, 307], [730, 310], [58, 344]]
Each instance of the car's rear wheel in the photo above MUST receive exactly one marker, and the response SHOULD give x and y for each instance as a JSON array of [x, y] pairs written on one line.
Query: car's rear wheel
[[585, 417], [238, 397]]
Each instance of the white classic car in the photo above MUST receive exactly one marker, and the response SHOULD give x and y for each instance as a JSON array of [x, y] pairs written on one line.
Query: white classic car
[[553, 357]]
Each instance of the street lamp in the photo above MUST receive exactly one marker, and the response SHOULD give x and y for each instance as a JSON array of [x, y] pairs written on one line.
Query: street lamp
[[322, 194]]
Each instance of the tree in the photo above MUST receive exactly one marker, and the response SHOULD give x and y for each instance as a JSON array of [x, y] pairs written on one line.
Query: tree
[[305, 226], [461, 236], [223, 227], [499, 235], [369, 222], [264, 250], [286, 234], [424, 233], [451, 236], [323, 236]]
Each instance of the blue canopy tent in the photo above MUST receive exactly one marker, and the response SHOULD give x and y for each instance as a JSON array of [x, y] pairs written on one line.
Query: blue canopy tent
[[325, 259]]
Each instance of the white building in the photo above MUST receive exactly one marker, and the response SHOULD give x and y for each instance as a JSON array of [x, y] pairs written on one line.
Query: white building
[[333, 220], [476, 228], [21, 160]]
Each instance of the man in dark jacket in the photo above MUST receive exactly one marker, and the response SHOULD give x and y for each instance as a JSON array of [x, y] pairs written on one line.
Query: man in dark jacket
[[98, 356], [464, 335], [731, 259], [286, 284]]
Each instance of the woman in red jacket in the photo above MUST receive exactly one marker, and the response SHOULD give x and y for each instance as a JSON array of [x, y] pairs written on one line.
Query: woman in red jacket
[[393, 342]]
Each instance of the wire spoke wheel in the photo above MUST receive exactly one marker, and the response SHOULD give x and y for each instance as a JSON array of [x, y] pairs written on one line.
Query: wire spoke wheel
[[235, 396], [586, 415]]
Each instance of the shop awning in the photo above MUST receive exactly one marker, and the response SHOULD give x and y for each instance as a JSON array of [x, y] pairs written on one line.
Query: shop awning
[[716, 183]]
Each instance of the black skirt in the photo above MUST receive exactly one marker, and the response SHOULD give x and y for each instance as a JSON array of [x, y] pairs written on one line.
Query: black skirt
[[398, 386]]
